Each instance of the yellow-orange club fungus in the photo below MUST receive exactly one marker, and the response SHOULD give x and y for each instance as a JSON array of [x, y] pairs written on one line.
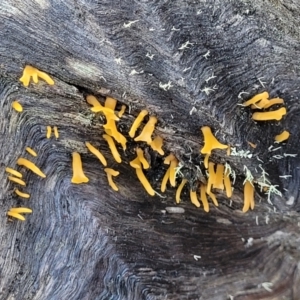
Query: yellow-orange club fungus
[[269, 115], [112, 147], [261, 104], [17, 180], [13, 172], [142, 159], [111, 172], [137, 122], [157, 144], [55, 130], [122, 111], [171, 172], [210, 143], [16, 212], [92, 100], [273, 102], [97, 153], [256, 98], [194, 198], [31, 166], [110, 103], [21, 194], [147, 131], [78, 174], [214, 199], [109, 113], [203, 197], [31, 151], [137, 165], [248, 196], [179, 190], [17, 106], [218, 184], [283, 136], [48, 134], [111, 130], [30, 71], [227, 184], [165, 180], [211, 177]]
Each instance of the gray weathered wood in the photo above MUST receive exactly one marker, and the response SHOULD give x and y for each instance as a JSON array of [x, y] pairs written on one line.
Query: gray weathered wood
[[89, 242]]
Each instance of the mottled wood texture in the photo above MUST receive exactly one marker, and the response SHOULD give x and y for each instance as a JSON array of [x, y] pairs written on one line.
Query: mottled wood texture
[[88, 242]]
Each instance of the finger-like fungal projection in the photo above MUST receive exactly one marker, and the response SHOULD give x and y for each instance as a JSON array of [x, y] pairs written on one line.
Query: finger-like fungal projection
[[31, 166], [78, 174], [283, 136], [203, 197], [31, 151], [111, 129], [137, 122], [218, 184], [165, 180], [248, 196], [109, 113], [194, 198], [17, 106], [15, 212], [30, 71], [261, 104], [256, 98], [17, 180], [269, 115], [13, 172], [137, 165], [97, 153], [147, 131], [48, 134], [157, 144], [273, 102], [55, 130], [111, 172], [122, 111], [142, 159], [179, 190], [92, 100], [112, 147], [210, 143], [110, 103], [211, 177], [21, 194], [227, 184], [214, 199]]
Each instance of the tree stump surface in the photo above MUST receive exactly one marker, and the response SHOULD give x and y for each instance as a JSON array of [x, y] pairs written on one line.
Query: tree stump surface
[[189, 63]]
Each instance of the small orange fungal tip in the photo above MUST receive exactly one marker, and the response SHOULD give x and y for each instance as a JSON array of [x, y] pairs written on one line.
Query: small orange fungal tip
[[111, 172], [17, 180], [147, 131], [21, 194], [269, 115], [30, 71], [78, 174], [142, 159], [206, 160], [135, 163], [111, 129], [157, 144], [179, 190], [15, 215], [194, 198], [203, 197], [97, 153], [13, 172], [218, 184], [165, 180], [48, 134], [228, 152], [15, 212], [142, 178], [169, 158], [31, 166], [112, 147], [92, 100], [211, 178], [273, 102], [122, 111], [283, 136], [17, 106], [256, 98], [173, 166], [31, 151], [210, 142], [137, 122], [55, 130], [248, 196], [110, 103]]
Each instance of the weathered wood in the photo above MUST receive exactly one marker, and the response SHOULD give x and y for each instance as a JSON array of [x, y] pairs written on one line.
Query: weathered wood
[[89, 242]]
